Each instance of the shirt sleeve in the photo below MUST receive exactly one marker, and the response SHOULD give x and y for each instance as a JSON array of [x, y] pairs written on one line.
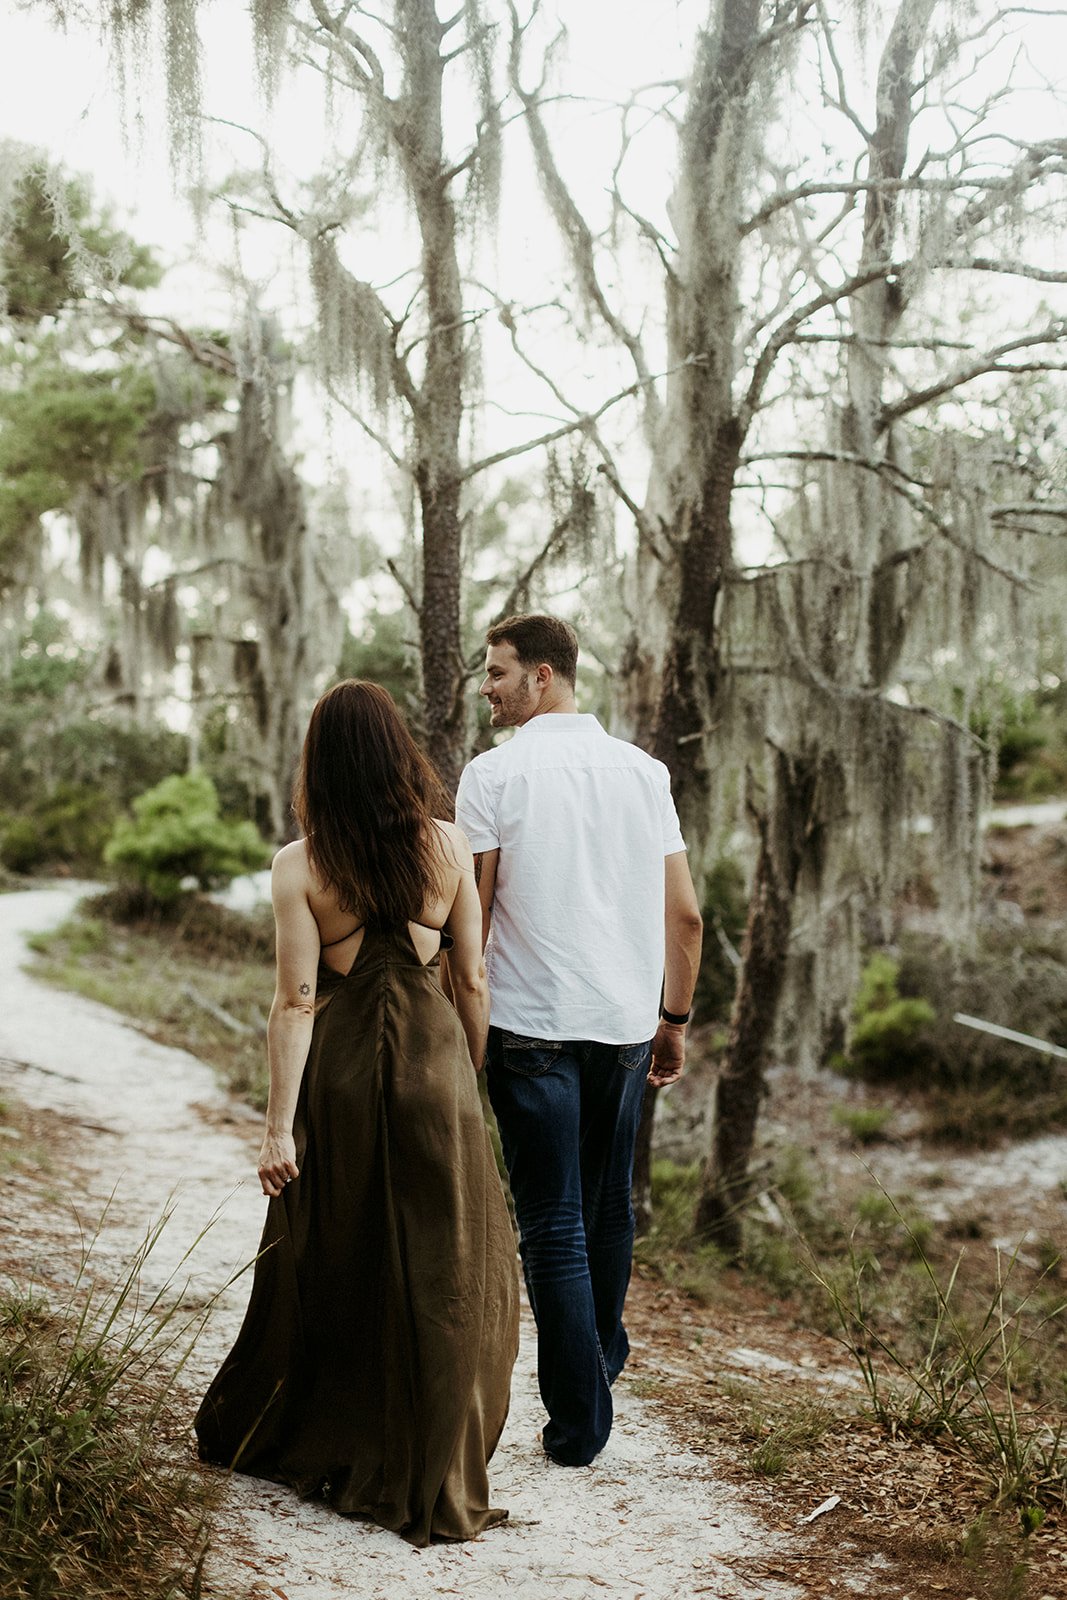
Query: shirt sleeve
[[672, 828], [476, 809]]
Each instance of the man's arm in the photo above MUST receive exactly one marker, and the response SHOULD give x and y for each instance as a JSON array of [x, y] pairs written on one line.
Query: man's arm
[[684, 929], [485, 864]]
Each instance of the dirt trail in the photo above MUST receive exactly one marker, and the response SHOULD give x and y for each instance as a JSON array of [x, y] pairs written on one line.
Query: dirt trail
[[647, 1521]]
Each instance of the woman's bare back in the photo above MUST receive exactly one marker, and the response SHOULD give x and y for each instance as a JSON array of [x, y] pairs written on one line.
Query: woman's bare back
[[341, 941]]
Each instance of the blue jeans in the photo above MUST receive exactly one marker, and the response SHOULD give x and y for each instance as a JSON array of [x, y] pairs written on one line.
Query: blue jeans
[[568, 1112]]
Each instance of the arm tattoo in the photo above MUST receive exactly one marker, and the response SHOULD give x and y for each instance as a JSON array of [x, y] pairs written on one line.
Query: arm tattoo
[[477, 869], [305, 988]]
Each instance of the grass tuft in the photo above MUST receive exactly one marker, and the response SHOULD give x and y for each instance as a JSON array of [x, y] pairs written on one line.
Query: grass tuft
[[966, 1381], [866, 1124], [782, 1427], [89, 1504]]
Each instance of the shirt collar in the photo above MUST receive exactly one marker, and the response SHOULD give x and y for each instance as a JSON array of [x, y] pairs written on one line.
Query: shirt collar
[[562, 722]]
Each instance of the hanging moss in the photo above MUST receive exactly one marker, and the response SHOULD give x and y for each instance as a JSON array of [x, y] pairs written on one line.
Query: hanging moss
[[269, 31], [355, 344], [483, 188]]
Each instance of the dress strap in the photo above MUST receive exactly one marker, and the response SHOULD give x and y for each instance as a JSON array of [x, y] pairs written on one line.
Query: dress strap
[[329, 943]]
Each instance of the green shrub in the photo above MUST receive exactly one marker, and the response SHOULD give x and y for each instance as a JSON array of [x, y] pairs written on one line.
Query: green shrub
[[890, 1035], [67, 772], [70, 827], [176, 833], [977, 1089], [890, 1043]]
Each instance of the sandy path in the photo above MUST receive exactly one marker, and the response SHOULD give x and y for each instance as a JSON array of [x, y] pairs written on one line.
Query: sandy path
[[646, 1522]]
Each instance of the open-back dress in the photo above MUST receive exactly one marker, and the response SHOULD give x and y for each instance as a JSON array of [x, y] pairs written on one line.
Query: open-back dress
[[374, 1362]]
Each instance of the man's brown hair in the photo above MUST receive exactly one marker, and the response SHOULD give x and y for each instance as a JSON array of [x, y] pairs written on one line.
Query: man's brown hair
[[536, 638]]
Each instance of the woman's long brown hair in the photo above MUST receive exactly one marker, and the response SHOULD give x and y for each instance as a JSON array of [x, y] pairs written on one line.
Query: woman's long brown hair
[[365, 797]]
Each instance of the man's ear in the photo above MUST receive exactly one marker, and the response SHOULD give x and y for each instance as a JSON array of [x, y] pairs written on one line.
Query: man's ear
[[544, 675]]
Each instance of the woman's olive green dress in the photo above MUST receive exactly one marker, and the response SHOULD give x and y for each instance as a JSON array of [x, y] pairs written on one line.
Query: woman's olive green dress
[[374, 1363]]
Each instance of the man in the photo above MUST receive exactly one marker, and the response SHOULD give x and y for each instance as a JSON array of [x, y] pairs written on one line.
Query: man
[[589, 908]]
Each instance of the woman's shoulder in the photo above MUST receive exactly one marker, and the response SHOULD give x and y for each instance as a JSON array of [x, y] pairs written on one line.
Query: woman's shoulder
[[454, 843], [291, 864]]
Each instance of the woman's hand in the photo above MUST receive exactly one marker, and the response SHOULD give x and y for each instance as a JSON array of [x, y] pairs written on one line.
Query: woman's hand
[[277, 1162]]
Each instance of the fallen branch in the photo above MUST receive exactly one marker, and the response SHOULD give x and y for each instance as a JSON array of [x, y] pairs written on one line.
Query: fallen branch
[[1027, 1039]]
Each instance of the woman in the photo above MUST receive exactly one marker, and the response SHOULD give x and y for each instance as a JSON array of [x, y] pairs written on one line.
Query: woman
[[375, 1358]]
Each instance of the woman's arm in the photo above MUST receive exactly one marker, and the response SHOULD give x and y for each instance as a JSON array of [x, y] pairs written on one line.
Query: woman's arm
[[291, 1014], [485, 865], [470, 990]]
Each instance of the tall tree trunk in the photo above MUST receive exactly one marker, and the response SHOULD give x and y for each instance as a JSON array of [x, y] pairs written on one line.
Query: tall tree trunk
[[697, 447], [692, 670], [784, 831], [793, 816], [437, 408], [440, 649]]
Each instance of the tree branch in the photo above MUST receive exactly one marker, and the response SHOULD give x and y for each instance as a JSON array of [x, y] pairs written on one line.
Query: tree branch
[[1016, 269], [518, 588], [990, 361], [1000, 188], [583, 422], [203, 351], [405, 588], [900, 483], [379, 439], [841, 103], [586, 423], [848, 457], [360, 57], [785, 331]]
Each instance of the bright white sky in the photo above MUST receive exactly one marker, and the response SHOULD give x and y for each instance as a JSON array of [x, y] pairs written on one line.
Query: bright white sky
[[58, 90]]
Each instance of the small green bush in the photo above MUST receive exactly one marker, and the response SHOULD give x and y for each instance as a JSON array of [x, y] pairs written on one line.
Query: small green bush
[[890, 1035], [69, 827], [177, 833], [890, 1042]]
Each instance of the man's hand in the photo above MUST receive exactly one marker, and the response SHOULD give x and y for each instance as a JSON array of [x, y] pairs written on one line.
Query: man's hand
[[668, 1055]]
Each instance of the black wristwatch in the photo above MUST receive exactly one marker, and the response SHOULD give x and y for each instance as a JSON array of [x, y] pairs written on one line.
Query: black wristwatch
[[678, 1019]]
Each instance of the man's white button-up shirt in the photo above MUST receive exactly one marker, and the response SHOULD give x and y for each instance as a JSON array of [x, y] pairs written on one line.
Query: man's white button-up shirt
[[582, 822]]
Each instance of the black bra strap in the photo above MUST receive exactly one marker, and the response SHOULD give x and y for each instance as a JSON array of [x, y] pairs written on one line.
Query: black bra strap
[[331, 942], [446, 938]]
